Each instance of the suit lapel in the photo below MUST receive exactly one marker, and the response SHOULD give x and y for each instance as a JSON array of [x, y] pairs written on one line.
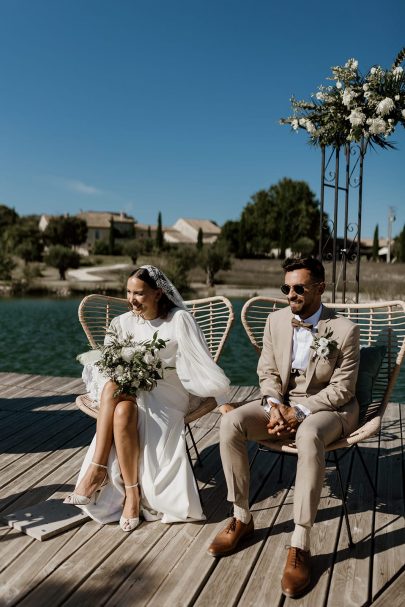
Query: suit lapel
[[287, 337], [322, 327]]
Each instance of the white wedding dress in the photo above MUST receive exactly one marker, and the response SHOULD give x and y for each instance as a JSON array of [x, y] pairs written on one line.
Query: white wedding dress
[[168, 487]]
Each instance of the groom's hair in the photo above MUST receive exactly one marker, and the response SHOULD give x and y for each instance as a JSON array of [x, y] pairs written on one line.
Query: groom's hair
[[314, 266]]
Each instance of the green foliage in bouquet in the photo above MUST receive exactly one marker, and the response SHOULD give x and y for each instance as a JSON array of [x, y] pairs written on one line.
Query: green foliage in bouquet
[[356, 107], [132, 366]]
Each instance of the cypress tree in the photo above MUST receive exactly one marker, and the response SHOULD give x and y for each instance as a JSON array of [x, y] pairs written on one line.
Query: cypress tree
[[111, 237], [200, 239], [159, 233], [376, 244]]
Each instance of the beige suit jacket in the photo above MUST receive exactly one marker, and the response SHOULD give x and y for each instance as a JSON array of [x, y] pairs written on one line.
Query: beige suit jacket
[[330, 383]]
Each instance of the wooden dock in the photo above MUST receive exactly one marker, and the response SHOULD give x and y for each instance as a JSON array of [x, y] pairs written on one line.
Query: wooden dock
[[43, 441]]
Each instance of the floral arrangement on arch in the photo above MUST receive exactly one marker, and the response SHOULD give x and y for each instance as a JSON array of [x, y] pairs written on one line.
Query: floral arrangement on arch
[[355, 107]]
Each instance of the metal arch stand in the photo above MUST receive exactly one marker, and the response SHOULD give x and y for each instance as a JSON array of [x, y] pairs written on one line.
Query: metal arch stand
[[343, 182]]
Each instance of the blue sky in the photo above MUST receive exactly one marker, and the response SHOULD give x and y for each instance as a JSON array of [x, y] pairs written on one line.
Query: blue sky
[[173, 105]]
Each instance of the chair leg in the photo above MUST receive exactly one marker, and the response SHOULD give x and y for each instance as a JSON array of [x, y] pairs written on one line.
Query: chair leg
[[254, 457], [194, 445], [357, 450], [349, 533]]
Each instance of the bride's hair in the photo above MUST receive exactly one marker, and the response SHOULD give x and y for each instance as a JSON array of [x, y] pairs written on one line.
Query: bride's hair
[[164, 303]]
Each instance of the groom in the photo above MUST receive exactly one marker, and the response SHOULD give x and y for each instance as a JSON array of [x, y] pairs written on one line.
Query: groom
[[307, 374]]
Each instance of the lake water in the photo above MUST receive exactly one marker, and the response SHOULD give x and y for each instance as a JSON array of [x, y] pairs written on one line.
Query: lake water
[[43, 336]]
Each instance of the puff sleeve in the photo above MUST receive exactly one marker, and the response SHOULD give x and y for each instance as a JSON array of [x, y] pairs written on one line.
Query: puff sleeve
[[197, 371]]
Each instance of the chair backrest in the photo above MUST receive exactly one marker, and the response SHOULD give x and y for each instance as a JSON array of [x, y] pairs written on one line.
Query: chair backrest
[[381, 323], [214, 315]]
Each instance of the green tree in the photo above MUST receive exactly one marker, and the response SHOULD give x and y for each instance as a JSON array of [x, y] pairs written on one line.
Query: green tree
[[399, 246], [25, 239], [8, 217], [7, 265], [200, 239], [178, 261], [376, 244], [230, 234], [133, 248], [111, 237], [30, 250], [62, 258], [159, 233], [241, 253], [65, 231], [215, 258], [303, 247], [279, 216]]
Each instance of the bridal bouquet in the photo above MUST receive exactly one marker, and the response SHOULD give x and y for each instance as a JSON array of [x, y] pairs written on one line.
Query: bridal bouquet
[[132, 366]]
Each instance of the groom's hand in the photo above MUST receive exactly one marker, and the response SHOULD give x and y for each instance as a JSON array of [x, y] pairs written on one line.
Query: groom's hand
[[283, 422]]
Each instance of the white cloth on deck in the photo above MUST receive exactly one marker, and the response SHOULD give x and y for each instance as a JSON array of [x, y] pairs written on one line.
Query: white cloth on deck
[[168, 487]]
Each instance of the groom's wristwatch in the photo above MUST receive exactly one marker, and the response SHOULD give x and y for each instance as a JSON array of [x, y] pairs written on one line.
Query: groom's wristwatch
[[299, 414]]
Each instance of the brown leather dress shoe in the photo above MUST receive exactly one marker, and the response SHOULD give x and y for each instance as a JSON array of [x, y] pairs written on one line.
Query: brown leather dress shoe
[[297, 572], [227, 540]]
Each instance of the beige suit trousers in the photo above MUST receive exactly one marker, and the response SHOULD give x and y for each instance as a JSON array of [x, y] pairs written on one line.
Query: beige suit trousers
[[248, 422]]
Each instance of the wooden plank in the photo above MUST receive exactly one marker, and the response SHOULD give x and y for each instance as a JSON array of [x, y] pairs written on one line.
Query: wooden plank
[[350, 581], [40, 558], [94, 588], [30, 475], [55, 429], [161, 565], [59, 483], [100, 579], [394, 595], [185, 564], [46, 519], [389, 536]]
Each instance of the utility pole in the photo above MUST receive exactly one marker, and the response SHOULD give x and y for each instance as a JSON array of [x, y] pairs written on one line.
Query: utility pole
[[391, 219]]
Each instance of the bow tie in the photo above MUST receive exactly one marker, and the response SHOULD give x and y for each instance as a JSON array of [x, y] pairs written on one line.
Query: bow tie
[[300, 324]]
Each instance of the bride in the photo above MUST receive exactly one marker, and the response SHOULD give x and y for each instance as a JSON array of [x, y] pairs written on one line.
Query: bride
[[137, 461]]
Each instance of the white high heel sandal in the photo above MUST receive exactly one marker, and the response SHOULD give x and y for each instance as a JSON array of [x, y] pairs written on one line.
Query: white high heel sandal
[[129, 524], [82, 500]]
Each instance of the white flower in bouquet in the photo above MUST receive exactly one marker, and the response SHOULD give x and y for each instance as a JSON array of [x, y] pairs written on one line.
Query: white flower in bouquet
[[348, 96], [377, 126], [357, 108], [132, 366], [324, 345], [357, 117], [149, 358], [385, 106], [323, 352], [127, 354]]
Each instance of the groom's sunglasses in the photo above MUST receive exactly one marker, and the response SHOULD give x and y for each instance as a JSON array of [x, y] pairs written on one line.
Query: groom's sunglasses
[[299, 289]]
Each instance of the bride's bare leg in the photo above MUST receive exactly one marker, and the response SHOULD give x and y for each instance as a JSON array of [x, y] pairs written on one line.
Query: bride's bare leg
[[94, 476], [127, 445]]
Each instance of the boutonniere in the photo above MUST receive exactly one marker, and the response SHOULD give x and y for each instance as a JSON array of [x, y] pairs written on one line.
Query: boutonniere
[[324, 345]]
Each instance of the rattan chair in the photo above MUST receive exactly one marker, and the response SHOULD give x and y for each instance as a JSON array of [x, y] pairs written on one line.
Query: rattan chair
[[214, 316], [381, 323]]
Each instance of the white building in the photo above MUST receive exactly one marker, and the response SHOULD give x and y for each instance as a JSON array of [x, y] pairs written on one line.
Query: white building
[[185, 231]]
